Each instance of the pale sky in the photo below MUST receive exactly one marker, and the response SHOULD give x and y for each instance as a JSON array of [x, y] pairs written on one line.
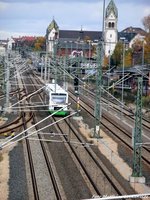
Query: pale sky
[[32, 17]]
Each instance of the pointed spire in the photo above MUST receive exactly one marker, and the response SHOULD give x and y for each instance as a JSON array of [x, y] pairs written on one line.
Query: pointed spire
[[111, 8], [52, 25]]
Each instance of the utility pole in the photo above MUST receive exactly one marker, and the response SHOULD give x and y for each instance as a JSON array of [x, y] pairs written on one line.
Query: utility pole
[[45, 67], [7, 74], [143, 55], [100, 57], [108, 83], [2, 72], [64, 63], [55, 61], [137, 137], [123, 65], [64, 73], [49, 70], [98, 91], [42, 67]]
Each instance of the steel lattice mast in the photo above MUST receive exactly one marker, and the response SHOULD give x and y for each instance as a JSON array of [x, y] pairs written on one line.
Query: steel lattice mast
[[100, 56], [137, 167], [98, 90]]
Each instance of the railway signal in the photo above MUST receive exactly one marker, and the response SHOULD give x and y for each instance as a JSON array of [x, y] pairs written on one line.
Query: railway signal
[[76, 84]]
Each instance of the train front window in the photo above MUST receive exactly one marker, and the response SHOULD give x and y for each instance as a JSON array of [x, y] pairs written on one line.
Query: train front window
[[58, 98]]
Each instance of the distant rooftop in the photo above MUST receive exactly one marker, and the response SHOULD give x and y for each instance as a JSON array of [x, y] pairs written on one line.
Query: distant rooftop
[[126, 35], [136, 30], [73, 34]]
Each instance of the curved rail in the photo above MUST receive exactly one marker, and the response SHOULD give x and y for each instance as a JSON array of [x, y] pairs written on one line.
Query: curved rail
[[12, 125]]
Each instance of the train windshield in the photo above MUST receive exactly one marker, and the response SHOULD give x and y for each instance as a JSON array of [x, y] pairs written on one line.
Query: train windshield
[[58, 98]]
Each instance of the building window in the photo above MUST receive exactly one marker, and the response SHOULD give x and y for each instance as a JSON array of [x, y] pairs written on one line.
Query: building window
[[109, 25]]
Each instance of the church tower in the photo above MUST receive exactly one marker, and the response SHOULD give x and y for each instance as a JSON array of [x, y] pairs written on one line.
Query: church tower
[[52, 33], [111, 32]]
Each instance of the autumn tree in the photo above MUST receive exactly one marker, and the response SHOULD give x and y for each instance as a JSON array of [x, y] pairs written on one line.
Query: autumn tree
[[147, 49], [141, 51], [146, 23], [128, 58], [39, 44], [106, 61], [87, 39], [94, 51], [137, 48]]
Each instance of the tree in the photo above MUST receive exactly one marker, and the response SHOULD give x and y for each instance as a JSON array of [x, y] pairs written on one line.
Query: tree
[[117, 54], [146, 23], [94, 51], [39, 44], [106, 61], [139, 47], [128, 58], [87, 39], [117, 57], [147, 49]]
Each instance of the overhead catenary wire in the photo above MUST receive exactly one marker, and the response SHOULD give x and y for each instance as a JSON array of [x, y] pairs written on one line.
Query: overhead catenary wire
[[7, 143], [25, 97], [140, 72], [119, 81]]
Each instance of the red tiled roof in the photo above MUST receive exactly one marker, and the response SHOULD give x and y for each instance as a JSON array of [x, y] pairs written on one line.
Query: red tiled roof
[[25, 38], [28, 38]]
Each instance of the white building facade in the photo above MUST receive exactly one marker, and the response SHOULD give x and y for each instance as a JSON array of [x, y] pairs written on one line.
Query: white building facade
[[52, 34], [111, 31], [10, 44]]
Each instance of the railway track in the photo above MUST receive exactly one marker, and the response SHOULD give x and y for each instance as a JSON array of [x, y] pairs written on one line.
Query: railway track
[[84, 155], [38, 163], [31, 163], [55, 189], [88, 162], [28, 148], [110, 124], [114, 185], [100, 190], [15, 124], [116, 106]]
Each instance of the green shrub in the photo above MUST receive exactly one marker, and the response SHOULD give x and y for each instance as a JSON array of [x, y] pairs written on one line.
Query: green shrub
[[146, 101]]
